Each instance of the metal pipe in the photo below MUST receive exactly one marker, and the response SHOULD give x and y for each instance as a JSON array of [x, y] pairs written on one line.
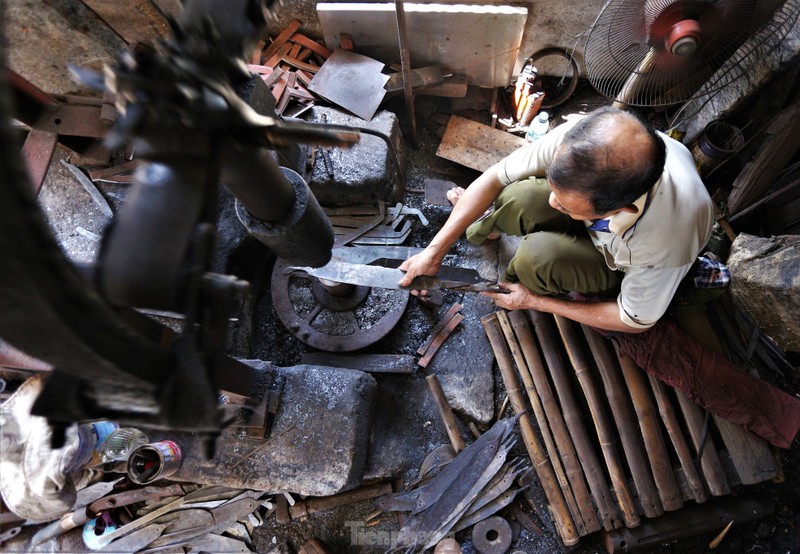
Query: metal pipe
[[252, 175]]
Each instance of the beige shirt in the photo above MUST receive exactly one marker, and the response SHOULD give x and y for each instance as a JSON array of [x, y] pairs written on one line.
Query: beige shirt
[[655, 247]]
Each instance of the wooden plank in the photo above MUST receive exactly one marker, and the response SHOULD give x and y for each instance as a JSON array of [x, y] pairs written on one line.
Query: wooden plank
[[751, 456], [476, 145]]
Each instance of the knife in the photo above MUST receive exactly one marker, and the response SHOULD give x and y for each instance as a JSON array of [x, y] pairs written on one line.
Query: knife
[[383, 273]]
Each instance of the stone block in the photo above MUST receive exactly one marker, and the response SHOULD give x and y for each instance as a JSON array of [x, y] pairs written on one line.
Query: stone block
[[318, 445], [364, 173], [765, 281]]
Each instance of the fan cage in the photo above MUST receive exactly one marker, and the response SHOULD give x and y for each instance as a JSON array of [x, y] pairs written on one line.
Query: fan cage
[[627, 58]]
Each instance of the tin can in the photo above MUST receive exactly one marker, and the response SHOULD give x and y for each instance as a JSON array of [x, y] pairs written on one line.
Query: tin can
[[153, 461]]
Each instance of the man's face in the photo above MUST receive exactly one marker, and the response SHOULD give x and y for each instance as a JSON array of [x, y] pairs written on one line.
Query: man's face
[[573, 204]]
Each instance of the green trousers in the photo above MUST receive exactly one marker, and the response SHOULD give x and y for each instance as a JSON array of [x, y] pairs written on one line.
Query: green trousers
[[556, 255]]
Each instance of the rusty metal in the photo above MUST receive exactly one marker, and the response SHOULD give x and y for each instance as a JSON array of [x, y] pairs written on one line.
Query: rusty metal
[[492, 536], [316, 322], [692, 520], [450, 314], [37, 151], [304, 508], [439, 339]]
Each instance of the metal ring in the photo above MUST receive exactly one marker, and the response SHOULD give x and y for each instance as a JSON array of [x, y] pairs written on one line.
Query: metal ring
[[573, 83]]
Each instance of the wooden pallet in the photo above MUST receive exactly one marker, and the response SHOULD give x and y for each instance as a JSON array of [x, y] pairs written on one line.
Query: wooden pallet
[[621, 445]]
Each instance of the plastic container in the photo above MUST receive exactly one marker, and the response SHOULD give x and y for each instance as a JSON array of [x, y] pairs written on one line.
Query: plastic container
[[539, 127], [122, 442], [91, 441]]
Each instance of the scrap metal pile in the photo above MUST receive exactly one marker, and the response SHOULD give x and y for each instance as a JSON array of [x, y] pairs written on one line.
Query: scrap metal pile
[[459, 493]]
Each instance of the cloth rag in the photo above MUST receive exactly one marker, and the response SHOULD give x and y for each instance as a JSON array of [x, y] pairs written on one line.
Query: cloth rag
[[711, 381]]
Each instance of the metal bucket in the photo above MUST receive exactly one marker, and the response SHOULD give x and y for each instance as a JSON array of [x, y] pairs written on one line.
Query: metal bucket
[[718, 142], [153, 461]]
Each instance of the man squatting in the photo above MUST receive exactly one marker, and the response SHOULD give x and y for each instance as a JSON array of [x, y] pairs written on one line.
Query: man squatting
[[606, 207]]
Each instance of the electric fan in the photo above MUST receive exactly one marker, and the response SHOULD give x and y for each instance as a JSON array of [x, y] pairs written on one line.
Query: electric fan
[[659, 52]]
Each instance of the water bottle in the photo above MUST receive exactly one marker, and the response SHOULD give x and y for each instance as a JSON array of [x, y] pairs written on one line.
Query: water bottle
[[91, 439], [122, 442], [539, 127]]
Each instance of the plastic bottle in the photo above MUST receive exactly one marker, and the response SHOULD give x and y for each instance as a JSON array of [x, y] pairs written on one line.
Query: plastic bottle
[[91, 441], [539, 127], [122, 442]]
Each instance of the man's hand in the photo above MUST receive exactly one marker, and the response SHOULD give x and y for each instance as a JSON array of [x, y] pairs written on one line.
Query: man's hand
[[426, 262], [520, 297]]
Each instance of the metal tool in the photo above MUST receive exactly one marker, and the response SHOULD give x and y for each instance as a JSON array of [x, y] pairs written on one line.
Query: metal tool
[[90, 187], [384, 274], [492, 536]]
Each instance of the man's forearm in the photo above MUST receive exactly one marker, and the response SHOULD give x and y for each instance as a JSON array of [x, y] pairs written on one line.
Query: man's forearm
[[473, 203], [601, 315]]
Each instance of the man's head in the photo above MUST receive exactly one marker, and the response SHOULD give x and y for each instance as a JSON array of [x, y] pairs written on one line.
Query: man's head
[[604, 163]]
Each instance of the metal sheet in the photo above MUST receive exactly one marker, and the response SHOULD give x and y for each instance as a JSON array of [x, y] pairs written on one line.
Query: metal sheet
[[480, 41], [352, 81]]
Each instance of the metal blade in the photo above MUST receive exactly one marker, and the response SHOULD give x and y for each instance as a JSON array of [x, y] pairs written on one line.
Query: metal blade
[[383, 273]]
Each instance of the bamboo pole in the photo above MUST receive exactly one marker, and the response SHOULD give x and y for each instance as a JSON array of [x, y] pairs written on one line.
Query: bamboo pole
[[541, 419], [608, 510], [605, 432], [670, 419], [651, 433], [629, 432], [564, 524], [572, 466], [446, 412]]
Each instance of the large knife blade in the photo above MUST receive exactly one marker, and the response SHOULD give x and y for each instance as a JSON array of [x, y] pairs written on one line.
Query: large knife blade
[[383, 273]]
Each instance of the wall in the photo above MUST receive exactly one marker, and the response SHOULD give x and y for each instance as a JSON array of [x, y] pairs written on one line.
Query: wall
[[555, 23]]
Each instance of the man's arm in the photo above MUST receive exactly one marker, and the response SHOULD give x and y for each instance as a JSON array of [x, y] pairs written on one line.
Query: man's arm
[[601, 315], [473, 203]]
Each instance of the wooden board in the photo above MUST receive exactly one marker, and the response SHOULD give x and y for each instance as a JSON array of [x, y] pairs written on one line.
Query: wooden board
[[476, 145]]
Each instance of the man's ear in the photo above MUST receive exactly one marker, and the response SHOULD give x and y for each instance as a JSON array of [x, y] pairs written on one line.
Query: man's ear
[[630, 208]]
